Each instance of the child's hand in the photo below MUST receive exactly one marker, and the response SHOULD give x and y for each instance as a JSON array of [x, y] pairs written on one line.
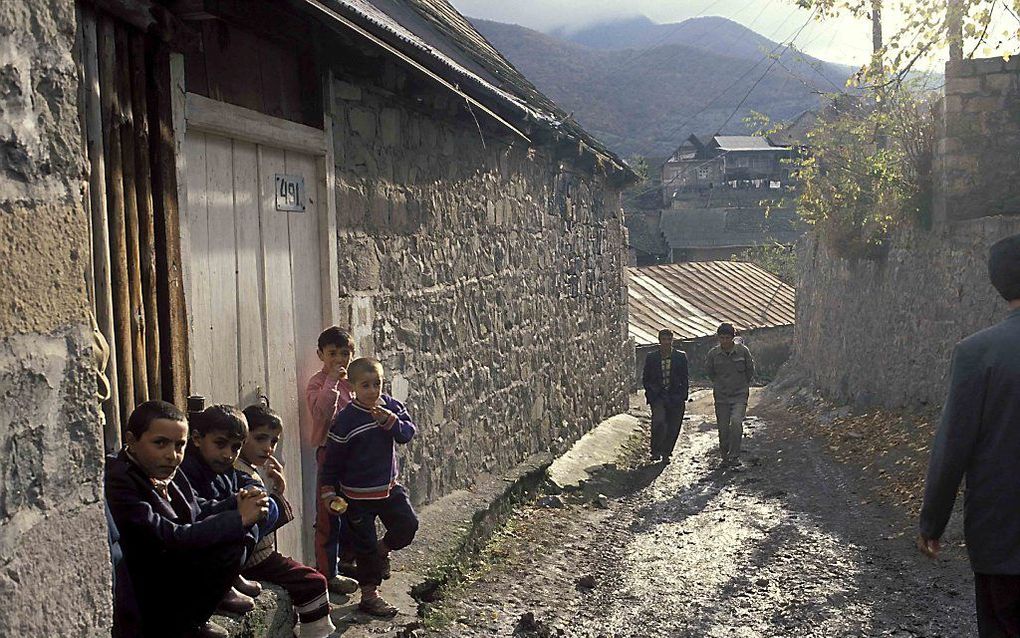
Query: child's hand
[[274, 470], [338, 371], [253, 505], [382, 417]]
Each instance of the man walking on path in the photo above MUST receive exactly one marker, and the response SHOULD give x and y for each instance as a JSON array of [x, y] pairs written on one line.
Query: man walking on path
[[979, 437], [666, 386], [731, 368]]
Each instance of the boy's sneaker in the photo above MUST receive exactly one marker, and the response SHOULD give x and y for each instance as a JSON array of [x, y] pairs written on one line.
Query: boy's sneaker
[[208, 629], [347, 568], [377, 606], [343, 585]]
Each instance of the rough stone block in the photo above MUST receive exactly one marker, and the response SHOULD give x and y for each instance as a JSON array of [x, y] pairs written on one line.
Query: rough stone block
[[982, 104], [347, 91], [963, 85], [363, 122], [390, 126], [1001, 83]]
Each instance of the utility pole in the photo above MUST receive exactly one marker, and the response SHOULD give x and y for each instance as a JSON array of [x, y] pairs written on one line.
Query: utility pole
[[878, 67], [954, 29]]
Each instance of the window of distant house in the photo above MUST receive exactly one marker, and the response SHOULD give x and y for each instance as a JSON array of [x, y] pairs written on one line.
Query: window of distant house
[[741, 162], [703, 172]]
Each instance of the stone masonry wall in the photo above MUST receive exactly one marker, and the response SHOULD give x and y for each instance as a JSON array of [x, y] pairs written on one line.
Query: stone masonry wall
[[881, 332], [978, 160], [54, 561], [487, 277]]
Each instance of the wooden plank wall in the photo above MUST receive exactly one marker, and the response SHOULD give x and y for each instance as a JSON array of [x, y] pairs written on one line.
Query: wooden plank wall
[[137, 296]]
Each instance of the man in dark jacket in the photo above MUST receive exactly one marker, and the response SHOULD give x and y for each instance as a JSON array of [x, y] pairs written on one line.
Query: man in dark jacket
[[666, 386], [979, 437]]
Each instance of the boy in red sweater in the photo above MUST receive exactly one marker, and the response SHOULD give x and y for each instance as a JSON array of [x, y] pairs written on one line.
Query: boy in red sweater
[[328, 392]]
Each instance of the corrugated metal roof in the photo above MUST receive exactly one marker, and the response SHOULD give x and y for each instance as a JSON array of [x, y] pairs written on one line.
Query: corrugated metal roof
[[692, 299], [437, 35], [744, 143]]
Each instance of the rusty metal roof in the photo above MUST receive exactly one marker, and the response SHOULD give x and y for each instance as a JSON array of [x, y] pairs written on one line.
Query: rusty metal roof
[[436, 35], [693, 298]]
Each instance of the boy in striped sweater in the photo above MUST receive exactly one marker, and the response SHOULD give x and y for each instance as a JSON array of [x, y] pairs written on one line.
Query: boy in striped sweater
[[359, 479]]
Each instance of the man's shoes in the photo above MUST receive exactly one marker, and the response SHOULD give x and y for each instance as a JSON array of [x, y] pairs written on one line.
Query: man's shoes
[[208, 629], [234, 602], [343, 585], [247, 587], [377, 606]]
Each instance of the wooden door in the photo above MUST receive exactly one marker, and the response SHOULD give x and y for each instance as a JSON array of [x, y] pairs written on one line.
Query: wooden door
[[255, 295]]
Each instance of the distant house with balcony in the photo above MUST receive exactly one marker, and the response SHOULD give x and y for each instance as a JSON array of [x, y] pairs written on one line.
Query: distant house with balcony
[[725, 170]]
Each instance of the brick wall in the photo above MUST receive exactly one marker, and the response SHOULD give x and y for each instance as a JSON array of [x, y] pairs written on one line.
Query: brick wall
[[487, 276]]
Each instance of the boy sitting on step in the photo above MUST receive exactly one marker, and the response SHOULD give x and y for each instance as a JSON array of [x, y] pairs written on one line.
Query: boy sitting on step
[[306, 586], [181, 553]]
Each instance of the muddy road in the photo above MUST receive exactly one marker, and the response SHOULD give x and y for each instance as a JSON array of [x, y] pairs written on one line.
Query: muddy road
[[787, 544]]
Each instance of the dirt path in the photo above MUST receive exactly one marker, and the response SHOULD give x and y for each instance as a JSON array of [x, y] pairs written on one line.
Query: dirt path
[[786, 545]]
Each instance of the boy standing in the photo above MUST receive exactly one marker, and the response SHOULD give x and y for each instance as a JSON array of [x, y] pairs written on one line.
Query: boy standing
[[666, 387], [327, 393], [731, 368], [361, 462], [181, 554]]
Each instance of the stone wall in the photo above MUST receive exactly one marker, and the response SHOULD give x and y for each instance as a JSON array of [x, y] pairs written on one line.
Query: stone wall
[[980, 132], [881, 332], [54, 561], [488, 278]]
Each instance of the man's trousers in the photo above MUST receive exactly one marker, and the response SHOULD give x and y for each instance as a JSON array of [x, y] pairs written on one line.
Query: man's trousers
[[729, 418], [666, 422]]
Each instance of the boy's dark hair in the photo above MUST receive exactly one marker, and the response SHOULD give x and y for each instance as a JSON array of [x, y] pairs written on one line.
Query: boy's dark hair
[[261, 416], [335, 336], [360, 366], [1004, 267], [221, 418], [665, 332], [726, 329], [145, 413]]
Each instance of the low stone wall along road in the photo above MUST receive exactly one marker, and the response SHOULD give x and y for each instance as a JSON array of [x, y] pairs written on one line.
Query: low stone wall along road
[[790, 543]]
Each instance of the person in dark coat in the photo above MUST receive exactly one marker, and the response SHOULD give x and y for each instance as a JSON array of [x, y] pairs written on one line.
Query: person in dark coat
[[979, 438], [180, 553], [666, 382]]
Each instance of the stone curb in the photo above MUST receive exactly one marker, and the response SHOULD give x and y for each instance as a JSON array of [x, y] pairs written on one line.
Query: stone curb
[[452, 532]]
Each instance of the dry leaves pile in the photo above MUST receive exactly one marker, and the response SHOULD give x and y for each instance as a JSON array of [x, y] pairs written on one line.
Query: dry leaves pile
[[889, 448]]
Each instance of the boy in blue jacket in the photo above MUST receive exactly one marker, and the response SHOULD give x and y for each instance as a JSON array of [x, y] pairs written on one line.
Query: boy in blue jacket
[[181, 553], [226, 448], [359, 479]]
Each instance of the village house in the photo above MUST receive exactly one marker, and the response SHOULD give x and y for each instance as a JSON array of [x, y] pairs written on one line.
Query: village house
[[735, 162], [192, 189]]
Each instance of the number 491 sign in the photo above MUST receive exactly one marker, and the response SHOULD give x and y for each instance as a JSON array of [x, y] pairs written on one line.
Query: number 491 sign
[[290, 192]]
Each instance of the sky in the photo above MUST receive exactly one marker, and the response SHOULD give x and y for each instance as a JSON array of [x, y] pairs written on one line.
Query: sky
[[844, 40]]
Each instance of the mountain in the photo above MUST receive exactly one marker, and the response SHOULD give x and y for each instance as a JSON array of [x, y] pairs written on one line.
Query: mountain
[[642, 87]]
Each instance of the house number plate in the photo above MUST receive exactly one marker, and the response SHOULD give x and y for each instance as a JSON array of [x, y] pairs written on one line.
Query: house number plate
[[290, 192]]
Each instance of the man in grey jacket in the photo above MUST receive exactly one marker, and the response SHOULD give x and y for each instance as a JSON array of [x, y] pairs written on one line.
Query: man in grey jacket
[[979, 437], [731, 368]]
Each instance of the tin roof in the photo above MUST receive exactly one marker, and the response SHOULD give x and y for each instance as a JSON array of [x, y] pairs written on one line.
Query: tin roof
[[437, 36], [745, 143], [693, 298]]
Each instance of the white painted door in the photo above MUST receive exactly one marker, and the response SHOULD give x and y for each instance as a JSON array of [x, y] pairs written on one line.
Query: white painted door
[[254, 295]]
